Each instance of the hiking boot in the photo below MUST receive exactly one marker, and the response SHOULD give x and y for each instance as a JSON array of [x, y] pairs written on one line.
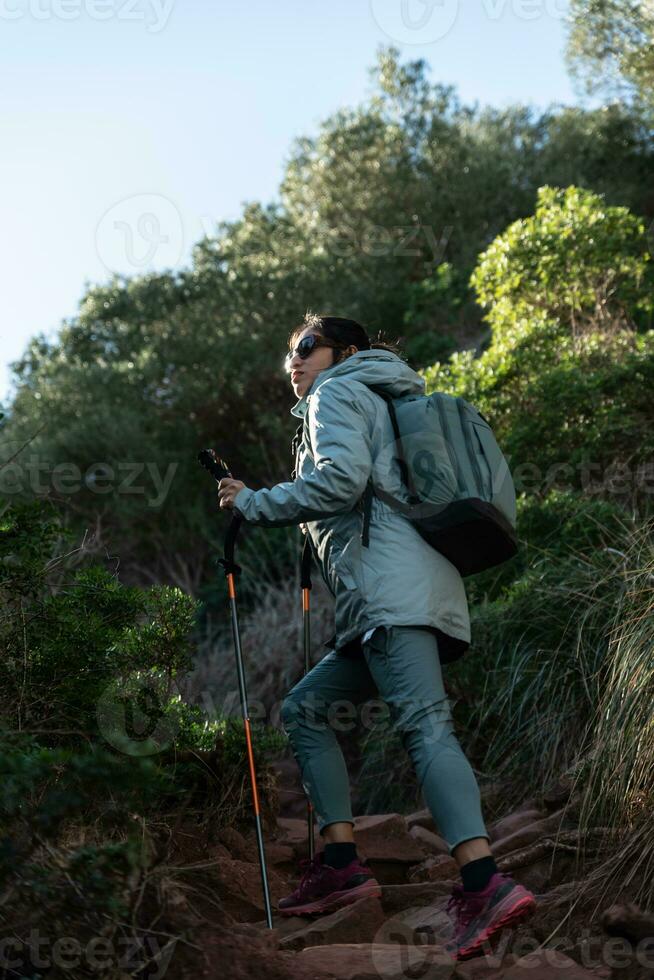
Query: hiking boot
[[480, 915], [324, 889]]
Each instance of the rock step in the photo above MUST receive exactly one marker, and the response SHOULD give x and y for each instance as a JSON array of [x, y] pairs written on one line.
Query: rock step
[[392, 961]]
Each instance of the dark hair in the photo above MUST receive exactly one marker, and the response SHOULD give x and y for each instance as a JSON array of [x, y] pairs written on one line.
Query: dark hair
[[343, 331]]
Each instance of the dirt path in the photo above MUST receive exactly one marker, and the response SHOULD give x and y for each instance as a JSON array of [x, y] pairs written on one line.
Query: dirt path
[[400, 936]]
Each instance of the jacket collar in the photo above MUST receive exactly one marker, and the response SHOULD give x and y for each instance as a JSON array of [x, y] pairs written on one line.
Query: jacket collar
[[376, 367], [301, 406]]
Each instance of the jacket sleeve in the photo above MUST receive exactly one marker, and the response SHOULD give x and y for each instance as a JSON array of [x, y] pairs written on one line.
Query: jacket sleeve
[[342, 452]]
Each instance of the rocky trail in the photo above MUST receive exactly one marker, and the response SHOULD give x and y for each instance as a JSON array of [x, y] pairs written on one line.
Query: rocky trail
[[401, 935]]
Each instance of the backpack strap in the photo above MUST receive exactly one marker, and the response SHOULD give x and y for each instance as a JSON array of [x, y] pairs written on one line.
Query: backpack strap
[[366, 499], [307, 548], [404, 470], [295, 442], [367, 505]]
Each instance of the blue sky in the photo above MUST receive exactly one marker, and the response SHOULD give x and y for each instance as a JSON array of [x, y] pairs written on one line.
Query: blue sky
[[157, 118]]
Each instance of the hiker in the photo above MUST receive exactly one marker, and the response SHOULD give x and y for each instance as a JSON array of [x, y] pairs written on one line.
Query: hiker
[[400, 612]]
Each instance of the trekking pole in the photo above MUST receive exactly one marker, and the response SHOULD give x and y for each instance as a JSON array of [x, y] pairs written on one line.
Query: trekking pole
[[218, 469], [305, 580]]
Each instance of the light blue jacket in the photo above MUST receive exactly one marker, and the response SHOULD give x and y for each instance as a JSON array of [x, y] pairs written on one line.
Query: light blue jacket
[[399, 579]]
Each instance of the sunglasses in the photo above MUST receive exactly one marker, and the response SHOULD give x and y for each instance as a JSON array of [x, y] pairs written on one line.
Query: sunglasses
[[306, 345]]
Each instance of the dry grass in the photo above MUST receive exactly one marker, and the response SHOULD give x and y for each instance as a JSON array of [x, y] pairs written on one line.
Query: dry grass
[[272, 644], [618, 774]]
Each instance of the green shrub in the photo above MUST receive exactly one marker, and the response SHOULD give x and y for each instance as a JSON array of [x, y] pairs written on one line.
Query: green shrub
[[565, 380], [100, 756]]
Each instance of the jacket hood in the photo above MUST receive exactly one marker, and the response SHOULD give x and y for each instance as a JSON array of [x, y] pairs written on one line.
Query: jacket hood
[[372, 367]]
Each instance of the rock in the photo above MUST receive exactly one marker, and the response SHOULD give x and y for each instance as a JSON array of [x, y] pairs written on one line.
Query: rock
[[218, 852], [284, 925], [529, 833], [292, 800], [237, 952], [632, 932], [513, 822], [278, 853], [296, 969], [439, 868], [432, 842], [240, 891], [536, 876], [291, 829], [428, 924], [292, 803], [358, 922], [421, 818], [386, 836], [628, 920], [550, 871], [236, 844], [384, 841], [492, 795], [557, 795], [484, 966], [553, 907], [377, 961], [532, 803], [295, 833], [546, 964], [396, 898], [585, 946]]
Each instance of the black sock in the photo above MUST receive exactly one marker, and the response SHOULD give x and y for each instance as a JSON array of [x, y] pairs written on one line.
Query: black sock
[[340, 855], [476, 874]]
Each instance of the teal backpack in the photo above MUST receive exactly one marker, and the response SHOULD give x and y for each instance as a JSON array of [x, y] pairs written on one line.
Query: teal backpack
[[461, 494]]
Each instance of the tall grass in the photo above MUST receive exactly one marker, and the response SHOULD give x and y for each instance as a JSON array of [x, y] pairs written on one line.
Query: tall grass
[[617, 774], [525, 694], [541, 651]]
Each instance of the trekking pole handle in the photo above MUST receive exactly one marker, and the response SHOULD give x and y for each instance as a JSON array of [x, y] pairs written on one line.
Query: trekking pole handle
[[214, 463], [219, 470]]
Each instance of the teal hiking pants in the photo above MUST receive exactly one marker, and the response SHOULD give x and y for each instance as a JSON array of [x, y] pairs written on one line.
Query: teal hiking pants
[[400, 666]]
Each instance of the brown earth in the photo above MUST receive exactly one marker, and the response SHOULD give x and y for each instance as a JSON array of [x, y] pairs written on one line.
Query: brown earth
[[400, 936]]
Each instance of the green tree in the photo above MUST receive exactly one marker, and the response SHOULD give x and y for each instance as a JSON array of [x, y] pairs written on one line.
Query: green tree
[[565, 379], [381, 216], [611, 47]]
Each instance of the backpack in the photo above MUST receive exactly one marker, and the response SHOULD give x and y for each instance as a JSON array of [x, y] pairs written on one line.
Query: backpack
[[461, 494]]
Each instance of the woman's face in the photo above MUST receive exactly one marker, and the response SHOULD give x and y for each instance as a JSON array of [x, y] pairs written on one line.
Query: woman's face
[[304, 372]]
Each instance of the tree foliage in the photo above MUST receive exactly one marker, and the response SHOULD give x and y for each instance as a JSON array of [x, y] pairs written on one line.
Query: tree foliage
[[381, 216], [611, 47], [565, 380]]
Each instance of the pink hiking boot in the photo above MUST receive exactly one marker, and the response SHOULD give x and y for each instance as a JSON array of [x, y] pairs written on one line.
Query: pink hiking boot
[[480, 915], [325, 889]]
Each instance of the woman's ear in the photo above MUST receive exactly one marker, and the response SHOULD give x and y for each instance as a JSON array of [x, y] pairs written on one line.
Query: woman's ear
[[342, 355]]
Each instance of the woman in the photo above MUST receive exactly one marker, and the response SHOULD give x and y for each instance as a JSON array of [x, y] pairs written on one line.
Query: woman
[[400, 610]]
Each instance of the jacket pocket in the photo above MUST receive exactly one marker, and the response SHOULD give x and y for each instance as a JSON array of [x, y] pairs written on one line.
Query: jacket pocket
[[343, 571]]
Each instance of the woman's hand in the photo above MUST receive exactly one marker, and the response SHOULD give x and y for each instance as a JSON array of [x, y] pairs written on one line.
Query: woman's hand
[[227, 490]]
